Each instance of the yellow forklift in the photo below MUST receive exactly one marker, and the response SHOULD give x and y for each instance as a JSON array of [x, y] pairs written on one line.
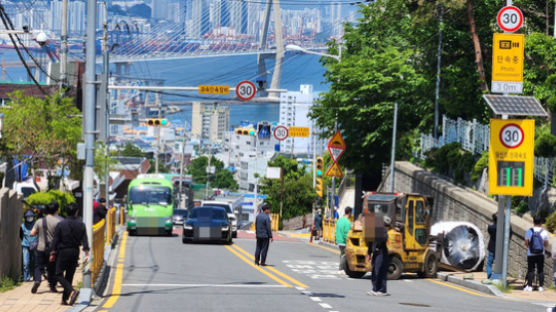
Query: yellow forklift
[[410, 246]]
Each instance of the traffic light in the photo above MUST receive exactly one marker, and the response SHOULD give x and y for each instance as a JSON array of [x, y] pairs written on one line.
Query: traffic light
[[155, 122], [245, 131], [319, 186]]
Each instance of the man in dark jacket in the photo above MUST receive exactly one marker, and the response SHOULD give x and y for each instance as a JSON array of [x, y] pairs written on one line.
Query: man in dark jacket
[[491, 245], [68, 236], [264, 235], [100, 212]]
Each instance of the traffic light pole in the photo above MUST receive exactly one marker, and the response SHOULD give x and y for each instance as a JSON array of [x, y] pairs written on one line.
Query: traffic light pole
[[157, 130]]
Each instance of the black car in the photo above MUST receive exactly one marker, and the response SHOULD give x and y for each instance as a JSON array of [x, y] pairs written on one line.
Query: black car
[[208, 223], [179, 216]]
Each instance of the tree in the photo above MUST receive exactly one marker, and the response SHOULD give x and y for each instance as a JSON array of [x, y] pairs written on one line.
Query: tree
[[224, 179], [131, 150], [102, 162], [45, 130]]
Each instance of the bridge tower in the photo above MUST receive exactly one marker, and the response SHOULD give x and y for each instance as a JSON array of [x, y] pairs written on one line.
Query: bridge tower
[[279, 55]]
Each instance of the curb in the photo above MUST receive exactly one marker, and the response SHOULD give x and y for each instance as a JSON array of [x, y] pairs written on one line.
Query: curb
[[475, 285], [86, 294]]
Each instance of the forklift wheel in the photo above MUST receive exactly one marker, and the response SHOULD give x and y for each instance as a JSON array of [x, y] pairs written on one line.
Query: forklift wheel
[[430, 266], [395, 268], [350, 273]]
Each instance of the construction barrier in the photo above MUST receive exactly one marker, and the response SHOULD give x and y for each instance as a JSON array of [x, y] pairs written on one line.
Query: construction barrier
[[122, 216], [274, 222], [98, 248], [110, 225], [329, 230]]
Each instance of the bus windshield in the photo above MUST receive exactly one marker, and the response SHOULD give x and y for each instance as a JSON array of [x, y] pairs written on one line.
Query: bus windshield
[[161, 195]]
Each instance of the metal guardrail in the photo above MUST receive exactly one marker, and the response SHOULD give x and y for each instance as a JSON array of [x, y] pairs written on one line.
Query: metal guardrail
[[98, 249], [274, 222], [329, 230], [122, 215], [110, 225]]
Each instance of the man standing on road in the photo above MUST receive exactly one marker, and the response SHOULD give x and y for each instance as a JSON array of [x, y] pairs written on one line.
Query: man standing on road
[[44, 228], [69, 235], [264, 235], [536, 241], [379, 252], [342, 228], [317, 223], [491, 245]]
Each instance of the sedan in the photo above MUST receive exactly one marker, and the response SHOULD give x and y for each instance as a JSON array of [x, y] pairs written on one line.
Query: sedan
[[207, 224], [179, 216]]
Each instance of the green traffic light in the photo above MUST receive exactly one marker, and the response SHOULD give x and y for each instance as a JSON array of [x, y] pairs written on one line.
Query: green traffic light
[[163, 122], [251, 132], [319, 172]]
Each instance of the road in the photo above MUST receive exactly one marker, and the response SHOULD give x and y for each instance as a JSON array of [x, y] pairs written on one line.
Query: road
[[162, 274]]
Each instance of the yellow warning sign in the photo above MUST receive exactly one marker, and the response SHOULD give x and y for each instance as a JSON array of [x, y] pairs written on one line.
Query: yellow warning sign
[[208, 89], [507, 57], [334, 171], [337, 141], [299, 132]]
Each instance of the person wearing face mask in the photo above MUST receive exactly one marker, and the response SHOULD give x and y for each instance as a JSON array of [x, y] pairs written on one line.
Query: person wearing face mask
[[28, 243]]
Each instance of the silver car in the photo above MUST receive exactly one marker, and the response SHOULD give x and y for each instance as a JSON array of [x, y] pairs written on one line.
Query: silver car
[[179, 216]]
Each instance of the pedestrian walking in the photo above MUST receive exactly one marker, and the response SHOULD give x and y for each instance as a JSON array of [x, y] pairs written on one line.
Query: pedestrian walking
[[100, 211], [69, 235], [44, 230], [536, 241], [317, 223], [342, 228], [378, 251], [491, 229], [28, 244], [264, 235]]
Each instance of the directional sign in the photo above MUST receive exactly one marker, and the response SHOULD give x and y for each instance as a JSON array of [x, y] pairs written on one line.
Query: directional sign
[[334, 171], [299, 132], [510, 18], [336, 146], [208, 89], [507, 63], [245, 90], [280, 133], [511, 157]]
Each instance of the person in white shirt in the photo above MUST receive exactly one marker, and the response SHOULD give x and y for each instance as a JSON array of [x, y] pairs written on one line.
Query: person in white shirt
[[536, 241]]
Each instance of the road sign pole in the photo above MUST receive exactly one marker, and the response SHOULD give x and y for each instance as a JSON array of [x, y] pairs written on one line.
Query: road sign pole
[[506, 239], [498, 260], [393, 156]]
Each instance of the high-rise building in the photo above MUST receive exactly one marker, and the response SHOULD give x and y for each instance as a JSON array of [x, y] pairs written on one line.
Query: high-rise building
[[209, 121], [159, 9], [200, 18], [294, 111]]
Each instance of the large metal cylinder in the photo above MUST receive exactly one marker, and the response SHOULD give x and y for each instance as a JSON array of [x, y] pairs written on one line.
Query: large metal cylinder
[[464, 246]]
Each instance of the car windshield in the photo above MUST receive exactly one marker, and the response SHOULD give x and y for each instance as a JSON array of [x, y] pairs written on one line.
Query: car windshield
[[27, 191], [208, 213], [142, 194], [181, 212], [226, 207]]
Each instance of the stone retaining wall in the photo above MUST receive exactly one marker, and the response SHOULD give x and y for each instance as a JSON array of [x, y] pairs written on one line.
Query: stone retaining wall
[[11, 216], [456, 203]]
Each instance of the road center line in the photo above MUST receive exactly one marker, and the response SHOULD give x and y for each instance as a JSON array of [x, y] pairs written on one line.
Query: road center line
[[256, 267], [205, 285], [117, 289], [289, 278]]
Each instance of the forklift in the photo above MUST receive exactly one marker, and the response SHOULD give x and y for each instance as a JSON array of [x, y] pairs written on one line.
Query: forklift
[[411, 248]]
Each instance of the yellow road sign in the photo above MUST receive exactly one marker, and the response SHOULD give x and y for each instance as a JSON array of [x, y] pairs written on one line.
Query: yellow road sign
[[507, 57], [334, 171], [299, 132], [511, 157], [208, 89]]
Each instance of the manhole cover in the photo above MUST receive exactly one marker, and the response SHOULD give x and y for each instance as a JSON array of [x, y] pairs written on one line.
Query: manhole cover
[[415, 304]]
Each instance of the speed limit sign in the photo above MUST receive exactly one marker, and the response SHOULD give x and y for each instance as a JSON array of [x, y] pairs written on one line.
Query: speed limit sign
[[245, 90], [281, 133], [510, 18], [511, 136]]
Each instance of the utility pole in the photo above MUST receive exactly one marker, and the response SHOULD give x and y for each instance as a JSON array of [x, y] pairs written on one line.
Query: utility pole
[[64, 45], [438, 65], [182, 161], [157, 131], [393, 156], [106, 103], [208, 172], [88, 116]]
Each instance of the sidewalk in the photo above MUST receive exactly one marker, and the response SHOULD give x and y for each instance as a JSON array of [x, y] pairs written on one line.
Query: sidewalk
[[20, 299]]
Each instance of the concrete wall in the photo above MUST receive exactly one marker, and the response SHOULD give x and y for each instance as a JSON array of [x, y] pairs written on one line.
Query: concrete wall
[[296, 223], [455, 203], [11, 214]]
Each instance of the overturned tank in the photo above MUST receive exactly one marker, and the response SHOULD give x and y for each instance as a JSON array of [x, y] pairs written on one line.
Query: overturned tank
[[464, 246]]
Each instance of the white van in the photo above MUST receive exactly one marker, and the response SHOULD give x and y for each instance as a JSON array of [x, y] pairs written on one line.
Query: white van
[[229, 211], [25, 188]]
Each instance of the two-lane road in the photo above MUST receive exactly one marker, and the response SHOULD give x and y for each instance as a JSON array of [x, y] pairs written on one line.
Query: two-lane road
[[162, 274]]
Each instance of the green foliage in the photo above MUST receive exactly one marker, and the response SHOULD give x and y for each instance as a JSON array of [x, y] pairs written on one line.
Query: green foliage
[[222, 177], [545, 146], [44, 198], [161, 167], [551, 222], [131, 150], [522, 207], [451, 160], [102, 162], [298, 188], [7, 283], [479, 166]]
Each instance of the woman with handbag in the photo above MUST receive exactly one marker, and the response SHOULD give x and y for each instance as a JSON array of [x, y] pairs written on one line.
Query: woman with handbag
[[28, 244]]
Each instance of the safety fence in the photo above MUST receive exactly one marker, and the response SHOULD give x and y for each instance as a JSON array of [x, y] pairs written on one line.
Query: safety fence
[[274, 222], [122, 215], [110, 225], [98, 248], [329, 230]]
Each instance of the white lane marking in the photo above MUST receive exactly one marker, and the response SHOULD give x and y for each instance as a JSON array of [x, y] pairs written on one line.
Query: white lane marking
[[317, 299], [205, 285], [325, 305], [307, 293], [299, 288], [408, 281]]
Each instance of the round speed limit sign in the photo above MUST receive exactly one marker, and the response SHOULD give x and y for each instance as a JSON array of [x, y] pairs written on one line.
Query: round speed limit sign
[[281, 133], [245, 90], [510, 18], [511, 136]]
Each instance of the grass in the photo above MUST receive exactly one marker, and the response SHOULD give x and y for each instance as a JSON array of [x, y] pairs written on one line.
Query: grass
[[79, 285], [502, 288], [7, 283]]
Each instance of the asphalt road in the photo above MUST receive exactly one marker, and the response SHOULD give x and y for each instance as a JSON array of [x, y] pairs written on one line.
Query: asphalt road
[[162, 274]]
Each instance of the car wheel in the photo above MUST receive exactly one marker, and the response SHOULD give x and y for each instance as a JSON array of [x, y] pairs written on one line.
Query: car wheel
[[430, 266], [131, 232], [183, 240], [395, 268], [234, 235]]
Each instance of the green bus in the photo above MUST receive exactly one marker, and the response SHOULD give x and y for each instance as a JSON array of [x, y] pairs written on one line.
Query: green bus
[[150, 205]]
